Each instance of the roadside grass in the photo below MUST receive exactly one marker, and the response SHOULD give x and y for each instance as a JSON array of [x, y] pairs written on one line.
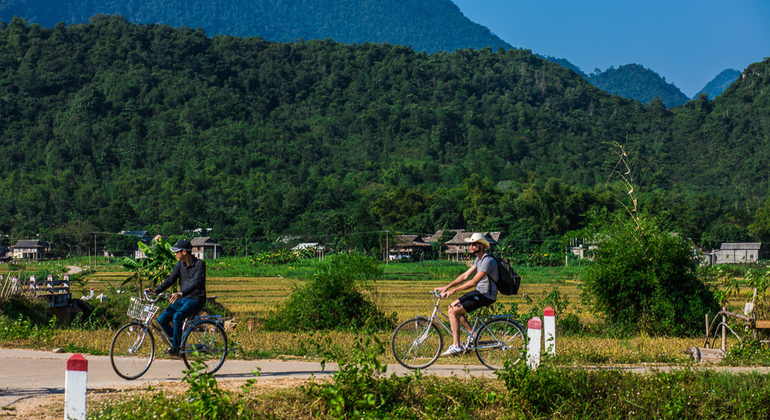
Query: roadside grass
[[362, 389]]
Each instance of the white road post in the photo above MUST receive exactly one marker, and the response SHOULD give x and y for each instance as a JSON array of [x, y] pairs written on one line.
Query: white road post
[[549, 330], [75, 388], [535, 334]]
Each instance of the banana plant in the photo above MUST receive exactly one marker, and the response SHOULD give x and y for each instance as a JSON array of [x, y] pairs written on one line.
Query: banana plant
[[157, 265]]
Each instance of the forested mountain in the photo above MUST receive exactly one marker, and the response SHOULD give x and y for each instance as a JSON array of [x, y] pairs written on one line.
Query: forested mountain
[[720, 83], [111, 125], [637, 82], [425, 25], [430, 25]]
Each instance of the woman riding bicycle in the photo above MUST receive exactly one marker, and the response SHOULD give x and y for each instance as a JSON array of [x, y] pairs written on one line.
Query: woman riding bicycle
[[485, 294], [189, 300]]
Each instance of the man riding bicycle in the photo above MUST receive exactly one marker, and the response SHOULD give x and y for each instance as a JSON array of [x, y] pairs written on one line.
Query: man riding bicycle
[[477, 275], [189, 300]]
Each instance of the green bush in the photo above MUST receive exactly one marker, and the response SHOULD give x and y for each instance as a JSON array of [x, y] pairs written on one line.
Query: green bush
[[334, 298], [565, 392], [644, 278]]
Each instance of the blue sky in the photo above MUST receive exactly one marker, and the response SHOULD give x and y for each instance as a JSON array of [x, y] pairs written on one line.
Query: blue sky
[[688, 42]]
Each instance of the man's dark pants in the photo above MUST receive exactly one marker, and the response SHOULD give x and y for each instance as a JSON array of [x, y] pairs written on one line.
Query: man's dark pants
[[176, 313]]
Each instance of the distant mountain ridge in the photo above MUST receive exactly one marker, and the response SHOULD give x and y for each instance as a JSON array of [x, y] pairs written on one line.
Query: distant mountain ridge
[[720, 83], [427, 25], [638, 82]]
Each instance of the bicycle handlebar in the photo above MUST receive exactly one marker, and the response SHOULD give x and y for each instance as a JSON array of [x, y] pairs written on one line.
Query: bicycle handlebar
[[147, 294]]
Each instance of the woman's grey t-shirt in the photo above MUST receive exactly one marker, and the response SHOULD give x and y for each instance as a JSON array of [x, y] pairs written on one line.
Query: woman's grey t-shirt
[[487, 286]]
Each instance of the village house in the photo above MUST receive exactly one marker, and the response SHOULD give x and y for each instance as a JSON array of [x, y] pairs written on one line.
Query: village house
[[28, 249], [737, 252], [408, 246], [203, 248], [458, 249], [317, 249]]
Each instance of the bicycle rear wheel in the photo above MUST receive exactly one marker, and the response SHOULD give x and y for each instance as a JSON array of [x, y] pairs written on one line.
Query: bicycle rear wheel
[[499, 341], [204, 343], [132, 350], [416, 343]]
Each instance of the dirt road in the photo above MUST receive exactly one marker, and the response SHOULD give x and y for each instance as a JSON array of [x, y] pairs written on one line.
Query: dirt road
[[30, 373]]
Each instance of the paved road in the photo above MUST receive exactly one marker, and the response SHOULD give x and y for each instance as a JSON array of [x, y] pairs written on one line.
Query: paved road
[[27, 373]]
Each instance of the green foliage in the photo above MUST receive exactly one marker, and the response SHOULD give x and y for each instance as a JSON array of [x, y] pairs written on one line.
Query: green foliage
[[158, 264], [359, 389], [121, 244], [637, 82], [560, 392], [644, 278], [278, 257], [337, 141], [24, 317], [203, 400], [334, 298]]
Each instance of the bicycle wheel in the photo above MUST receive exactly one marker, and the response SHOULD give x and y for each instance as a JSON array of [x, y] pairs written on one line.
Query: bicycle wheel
[[204, 343], [416, 343], [132, 350], [499, 341]]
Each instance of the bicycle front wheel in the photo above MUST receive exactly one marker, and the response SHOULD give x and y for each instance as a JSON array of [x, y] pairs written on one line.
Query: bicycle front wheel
[[416, 343], [499, 341], [204, 344], [132, 350]]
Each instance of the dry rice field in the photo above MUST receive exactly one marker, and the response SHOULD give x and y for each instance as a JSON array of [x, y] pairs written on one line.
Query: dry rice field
[[250, 299]]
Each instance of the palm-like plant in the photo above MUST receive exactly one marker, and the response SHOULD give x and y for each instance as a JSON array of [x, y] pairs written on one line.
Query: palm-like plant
[[157, 265]]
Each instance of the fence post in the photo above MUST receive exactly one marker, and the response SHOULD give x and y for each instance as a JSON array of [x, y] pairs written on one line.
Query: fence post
[[535, 334], [549, 330], [75, 388]]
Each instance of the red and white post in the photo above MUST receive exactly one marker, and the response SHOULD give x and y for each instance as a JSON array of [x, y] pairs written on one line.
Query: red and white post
[[535, 334], [549, 330], [75, 388]]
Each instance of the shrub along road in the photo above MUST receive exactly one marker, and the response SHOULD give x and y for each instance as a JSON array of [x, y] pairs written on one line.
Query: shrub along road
[[32, 373]]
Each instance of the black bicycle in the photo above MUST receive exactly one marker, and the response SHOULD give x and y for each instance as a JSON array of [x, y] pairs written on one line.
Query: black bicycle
[[133, 347]]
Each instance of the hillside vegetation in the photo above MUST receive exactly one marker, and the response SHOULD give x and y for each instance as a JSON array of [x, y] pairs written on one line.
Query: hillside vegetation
[[637, 82], [111, 125]]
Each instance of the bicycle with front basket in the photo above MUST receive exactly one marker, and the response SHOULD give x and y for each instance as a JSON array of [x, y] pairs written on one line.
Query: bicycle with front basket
[[496, 339], [132, 351]]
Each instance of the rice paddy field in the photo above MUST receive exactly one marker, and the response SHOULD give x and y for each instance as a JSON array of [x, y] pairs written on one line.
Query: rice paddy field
[[250, 293]]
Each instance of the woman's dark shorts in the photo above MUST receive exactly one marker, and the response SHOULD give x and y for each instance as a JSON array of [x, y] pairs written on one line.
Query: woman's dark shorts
[[474, 300]]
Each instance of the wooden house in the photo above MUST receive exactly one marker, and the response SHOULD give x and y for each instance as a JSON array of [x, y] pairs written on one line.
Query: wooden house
[[28, 249], [458, 248], [204, 248], [408, 246], [737, 252]]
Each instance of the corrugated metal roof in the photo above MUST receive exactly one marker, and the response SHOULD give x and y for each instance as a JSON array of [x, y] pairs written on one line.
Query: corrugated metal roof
[[741, 245]]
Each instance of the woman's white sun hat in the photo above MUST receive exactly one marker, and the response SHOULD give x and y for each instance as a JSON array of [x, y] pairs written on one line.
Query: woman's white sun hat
[[478, 237]]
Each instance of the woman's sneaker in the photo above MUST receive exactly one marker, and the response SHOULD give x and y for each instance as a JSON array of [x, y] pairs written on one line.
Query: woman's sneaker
[[453, 351]]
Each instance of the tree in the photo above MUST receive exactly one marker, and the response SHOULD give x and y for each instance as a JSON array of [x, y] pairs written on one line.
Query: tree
[[334, 298], [644, 277]]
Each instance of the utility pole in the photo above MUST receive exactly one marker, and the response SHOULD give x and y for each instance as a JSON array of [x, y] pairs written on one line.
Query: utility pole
[[387, 248], [94, 249]]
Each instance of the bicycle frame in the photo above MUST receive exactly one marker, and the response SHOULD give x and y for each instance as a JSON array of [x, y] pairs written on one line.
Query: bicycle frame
[[155, 326], [478, 323]]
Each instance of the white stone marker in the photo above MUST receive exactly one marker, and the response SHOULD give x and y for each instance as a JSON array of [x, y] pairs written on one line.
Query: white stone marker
[[75, 388], [549, 330], [535, 334]]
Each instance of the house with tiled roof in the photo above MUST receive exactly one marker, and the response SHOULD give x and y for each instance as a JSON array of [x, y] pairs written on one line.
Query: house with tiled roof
[[28, 249], [204, 248], [738, 252], [408, 246], [458, 248]]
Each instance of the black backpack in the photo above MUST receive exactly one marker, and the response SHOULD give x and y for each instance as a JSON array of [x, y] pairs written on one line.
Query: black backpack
[[509, 281]]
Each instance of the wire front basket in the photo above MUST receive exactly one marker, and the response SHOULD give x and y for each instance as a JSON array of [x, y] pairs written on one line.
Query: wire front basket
[[141, 310]]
